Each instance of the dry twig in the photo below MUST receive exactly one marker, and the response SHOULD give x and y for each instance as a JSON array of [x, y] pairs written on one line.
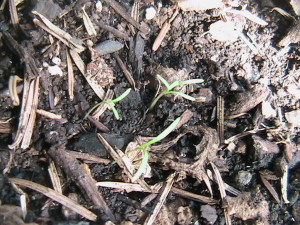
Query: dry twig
[[56, 196], [120, 10], [164, 191], [73, 169]]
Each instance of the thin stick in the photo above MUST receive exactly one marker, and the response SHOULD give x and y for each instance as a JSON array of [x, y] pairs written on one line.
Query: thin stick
[[222, 191], [114, 31], [164, 30], [14, 14], [120, 10], [49, 115], [56, 196], [165, 190], [220, 117], [84, 180], [70, 76], [125, 71], [89, 157]]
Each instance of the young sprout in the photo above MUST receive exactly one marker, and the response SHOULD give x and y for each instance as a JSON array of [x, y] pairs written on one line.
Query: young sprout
[[170, 87], [143, 148], [111, 104]]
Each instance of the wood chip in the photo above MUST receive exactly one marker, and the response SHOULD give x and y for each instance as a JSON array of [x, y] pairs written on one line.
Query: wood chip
[[245, 101]]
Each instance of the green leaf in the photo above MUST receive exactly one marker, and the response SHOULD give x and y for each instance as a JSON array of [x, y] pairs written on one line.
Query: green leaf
[[165, 82], [142, 168], [174, 84], [121, 97], [192, 81], [92, 109], [182, 95], [115, 111], [161, 136]]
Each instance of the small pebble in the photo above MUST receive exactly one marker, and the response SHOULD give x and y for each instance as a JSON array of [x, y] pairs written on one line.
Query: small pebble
[[99, 6], [108, 46], [150, 13], [55, 70], [243, 177], [56, 60]]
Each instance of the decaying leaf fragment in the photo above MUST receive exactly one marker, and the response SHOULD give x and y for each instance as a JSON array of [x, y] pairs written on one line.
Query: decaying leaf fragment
[[99, 71], [248, 206]]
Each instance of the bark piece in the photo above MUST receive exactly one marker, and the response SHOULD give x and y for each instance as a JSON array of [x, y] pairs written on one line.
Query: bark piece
[[72, 168], [292, 36], [246, 101]]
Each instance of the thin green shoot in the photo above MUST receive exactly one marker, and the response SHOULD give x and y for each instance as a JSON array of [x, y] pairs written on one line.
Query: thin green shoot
[[111, 104], [170, 87], [143, 148]]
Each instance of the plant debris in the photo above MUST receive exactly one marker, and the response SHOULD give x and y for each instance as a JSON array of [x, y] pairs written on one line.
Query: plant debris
[[149, 112]]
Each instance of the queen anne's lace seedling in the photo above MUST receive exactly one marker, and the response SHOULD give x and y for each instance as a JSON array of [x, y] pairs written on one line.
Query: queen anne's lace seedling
[[144, 148], [170, 87], [111, 104]]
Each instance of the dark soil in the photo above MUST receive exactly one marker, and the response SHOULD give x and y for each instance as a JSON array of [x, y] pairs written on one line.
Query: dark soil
[[246, 80]]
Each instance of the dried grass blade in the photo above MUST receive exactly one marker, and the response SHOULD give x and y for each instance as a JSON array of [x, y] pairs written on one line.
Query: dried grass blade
[[81, 66], [56, 196], [14, 14], [165, 190], [30, 124], [25, 112], [54, 177], [270, 188], [71, 80], [59, 32], [88, 23], [89, 158], [125, 71], [220, 117], [222, 191], [120, 10]]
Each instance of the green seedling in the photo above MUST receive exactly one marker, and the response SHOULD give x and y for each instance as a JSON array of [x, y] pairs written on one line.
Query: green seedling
[[143, 148], [111, 104], [170, 87]]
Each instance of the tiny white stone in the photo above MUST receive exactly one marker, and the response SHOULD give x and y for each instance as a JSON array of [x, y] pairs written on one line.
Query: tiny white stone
[[56, 60], [98, 6], [150, 13], [55, 70]]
